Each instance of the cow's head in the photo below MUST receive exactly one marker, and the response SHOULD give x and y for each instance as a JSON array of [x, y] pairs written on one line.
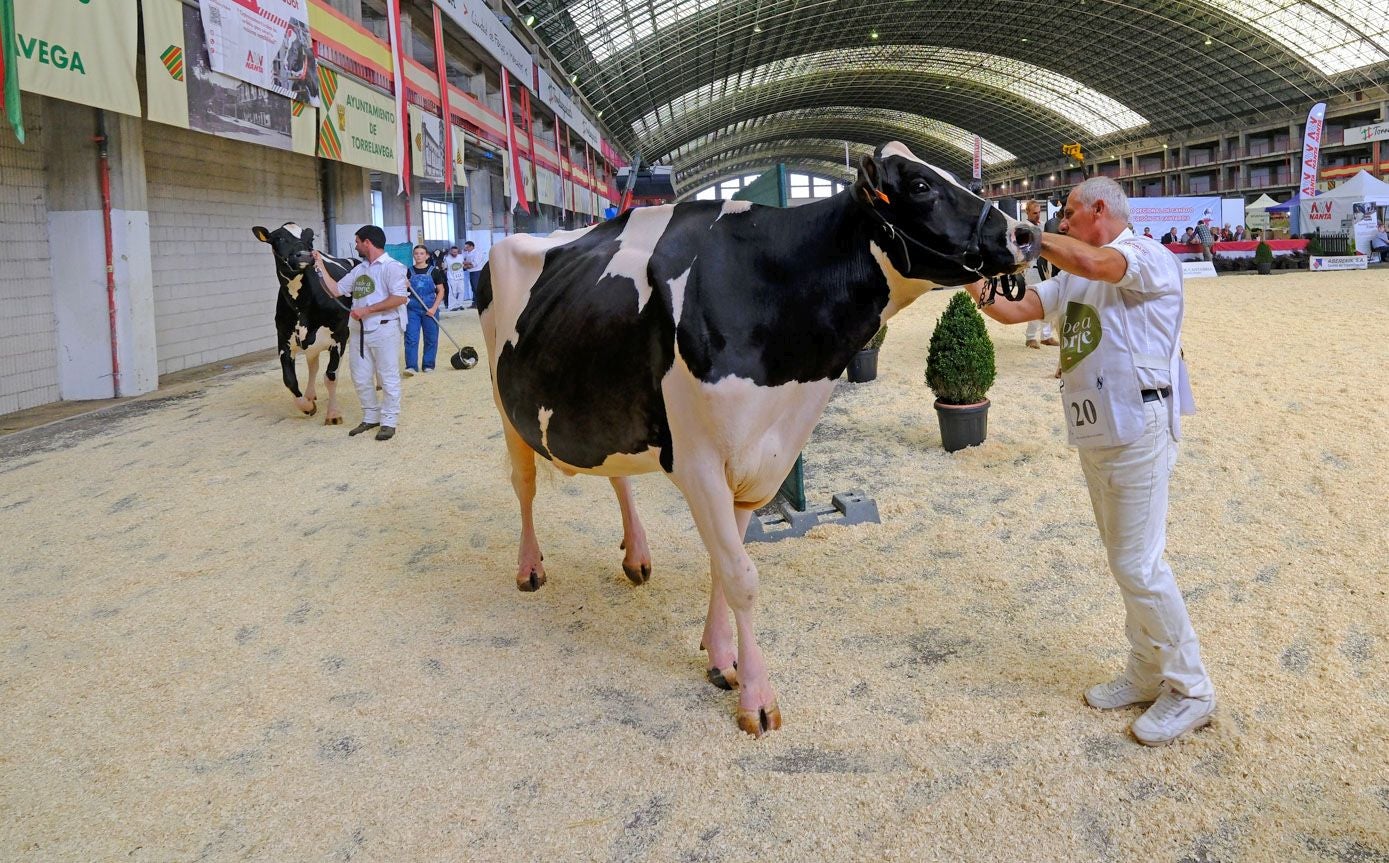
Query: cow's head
[[291, 244], [934, 229]]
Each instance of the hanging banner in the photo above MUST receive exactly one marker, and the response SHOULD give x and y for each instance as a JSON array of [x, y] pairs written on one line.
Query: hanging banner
[[183, 90], [460, 171], [1311, 149], [427, 145], [79, 52], [555, 97], [1161, 214], [263, 42], [1366, 134], [978, 157], [514, 188], [480, 22], [357, 124]]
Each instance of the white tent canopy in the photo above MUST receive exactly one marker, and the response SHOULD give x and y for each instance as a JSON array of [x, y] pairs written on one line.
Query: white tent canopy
[[1362, 187], [1262, 203]]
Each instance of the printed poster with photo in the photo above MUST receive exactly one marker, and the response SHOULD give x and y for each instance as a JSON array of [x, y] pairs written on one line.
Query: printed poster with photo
[[426, 144], [263, 42]]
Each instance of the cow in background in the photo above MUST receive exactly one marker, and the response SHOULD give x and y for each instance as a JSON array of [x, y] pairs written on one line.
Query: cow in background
[[307, 319], [703, 340]]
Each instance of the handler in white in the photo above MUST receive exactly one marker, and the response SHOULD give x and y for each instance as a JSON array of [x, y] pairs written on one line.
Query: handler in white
[[379, 289], [1124, 389], [455, 269]]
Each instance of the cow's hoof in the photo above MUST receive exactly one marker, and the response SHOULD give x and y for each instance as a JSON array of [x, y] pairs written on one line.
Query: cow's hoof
[[758, 721], [308, 407], [723, 678], [531, 582], [638, 574], [332, 421]]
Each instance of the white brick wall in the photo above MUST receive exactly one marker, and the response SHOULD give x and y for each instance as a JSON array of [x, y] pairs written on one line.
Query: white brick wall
[[28, 340], [214, 283]]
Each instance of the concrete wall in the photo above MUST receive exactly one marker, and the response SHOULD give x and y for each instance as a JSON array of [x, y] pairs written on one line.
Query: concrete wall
[[28, 346], [214, 283]]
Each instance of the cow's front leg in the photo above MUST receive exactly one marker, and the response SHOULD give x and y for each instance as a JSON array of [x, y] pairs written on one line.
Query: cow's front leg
[[310, 391], [530, 571], [637, 562], [721, 527], [291, 379], [330, 382], [718, 633]]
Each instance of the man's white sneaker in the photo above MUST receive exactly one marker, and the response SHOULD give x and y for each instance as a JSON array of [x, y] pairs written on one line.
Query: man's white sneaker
[[1119, 692], [1171, 716]]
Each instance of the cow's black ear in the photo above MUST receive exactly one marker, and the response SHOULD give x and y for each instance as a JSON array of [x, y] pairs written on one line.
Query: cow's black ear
[[307, 236], [868, 186], [261, 234]]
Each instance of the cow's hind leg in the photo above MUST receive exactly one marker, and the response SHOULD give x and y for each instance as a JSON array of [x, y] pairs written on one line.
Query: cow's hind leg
[[721, 527], [530, 571], [637, 562], [310, 391], [330, 382], [291, 379]]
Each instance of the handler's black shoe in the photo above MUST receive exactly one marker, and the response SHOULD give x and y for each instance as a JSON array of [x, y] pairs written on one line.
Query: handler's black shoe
[[386, 433], [362, 427]]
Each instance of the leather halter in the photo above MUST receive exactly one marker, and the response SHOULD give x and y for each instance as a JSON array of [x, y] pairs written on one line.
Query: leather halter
[[970, 259]]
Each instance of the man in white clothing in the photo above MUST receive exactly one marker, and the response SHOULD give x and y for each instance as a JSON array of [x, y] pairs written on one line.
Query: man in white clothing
[[1124, 389], [1038, 332], [379, 290], [455, 268]]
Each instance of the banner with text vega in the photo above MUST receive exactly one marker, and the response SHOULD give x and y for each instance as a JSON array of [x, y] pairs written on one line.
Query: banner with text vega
[[79, 52], [263, 42]]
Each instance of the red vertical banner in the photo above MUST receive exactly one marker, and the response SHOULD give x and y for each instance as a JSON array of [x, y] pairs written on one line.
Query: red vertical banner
[[529, 119], [402, 116], [517, 188], [562, 146], [441, 69]]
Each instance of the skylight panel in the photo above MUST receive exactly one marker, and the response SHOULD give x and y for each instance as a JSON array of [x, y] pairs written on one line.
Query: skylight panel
[[1332, 37]]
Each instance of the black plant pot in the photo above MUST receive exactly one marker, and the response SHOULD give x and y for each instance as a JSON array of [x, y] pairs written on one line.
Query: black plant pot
[[864, 366], [962, 425], [1265, 268]]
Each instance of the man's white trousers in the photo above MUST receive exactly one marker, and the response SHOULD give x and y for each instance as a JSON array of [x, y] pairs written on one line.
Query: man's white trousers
[[377, 356], [1128, 489]]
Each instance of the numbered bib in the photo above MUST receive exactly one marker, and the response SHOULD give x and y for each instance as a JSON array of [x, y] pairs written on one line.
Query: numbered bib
[[1089, 418]]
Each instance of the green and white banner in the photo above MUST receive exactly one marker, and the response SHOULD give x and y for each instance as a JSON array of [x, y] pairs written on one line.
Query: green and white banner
[[184, 91], [79, 51], [357, 124]]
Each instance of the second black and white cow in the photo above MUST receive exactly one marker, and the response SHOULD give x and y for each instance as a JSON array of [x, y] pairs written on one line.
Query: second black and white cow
[[703, 340], [307, 319]]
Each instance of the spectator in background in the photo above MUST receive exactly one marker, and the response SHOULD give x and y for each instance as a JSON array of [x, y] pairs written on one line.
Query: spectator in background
[[1038, 332], [1171, 236], [426, 296], [1379, 244], [1239, 233], [1189, 238], [1206, 237], [1148, 232], [472, 263]]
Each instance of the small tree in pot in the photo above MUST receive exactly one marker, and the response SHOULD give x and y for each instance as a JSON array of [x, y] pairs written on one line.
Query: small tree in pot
[[959, 370], [863, 367], [1263, 258]]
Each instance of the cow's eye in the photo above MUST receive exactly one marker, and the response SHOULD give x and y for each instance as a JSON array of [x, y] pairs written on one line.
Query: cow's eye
[[919, 187]]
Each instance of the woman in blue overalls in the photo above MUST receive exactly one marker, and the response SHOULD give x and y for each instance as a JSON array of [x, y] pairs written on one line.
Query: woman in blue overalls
[[426, 286]]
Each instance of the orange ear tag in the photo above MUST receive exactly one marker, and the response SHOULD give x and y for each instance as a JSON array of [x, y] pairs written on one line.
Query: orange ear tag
[[881, 196]]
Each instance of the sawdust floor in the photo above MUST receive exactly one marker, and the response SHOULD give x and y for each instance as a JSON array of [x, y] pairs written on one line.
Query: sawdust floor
[[230, 633]]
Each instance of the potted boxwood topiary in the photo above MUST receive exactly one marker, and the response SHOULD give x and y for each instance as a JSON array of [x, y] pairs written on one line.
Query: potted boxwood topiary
[[1263, 258], [863, 367], [960, 370]]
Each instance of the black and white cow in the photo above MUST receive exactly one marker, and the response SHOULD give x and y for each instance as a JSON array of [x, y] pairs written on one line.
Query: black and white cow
[[703, 340], [307, 319]]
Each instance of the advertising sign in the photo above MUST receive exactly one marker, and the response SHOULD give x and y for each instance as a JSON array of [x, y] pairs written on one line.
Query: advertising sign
[[183, 91], [1329, 263], [1161, 214], [79, 51], [263, 42], [1366, 134], [480, 22], [553, 95], [357, 124], [1311, 149]]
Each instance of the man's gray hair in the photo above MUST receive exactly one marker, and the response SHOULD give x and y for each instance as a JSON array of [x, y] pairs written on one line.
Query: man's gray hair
[[1104, 189]]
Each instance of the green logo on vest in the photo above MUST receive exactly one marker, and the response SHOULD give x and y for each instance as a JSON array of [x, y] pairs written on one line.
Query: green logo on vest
[[1080, 334], [363, 286]]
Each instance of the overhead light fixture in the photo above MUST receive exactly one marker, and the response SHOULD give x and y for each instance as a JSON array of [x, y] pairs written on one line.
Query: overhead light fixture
[[1164, 146], [1024, 38], [530, 21], [1208, 40], [574, 79], [1024, 183], [873, 34], [600, 115], [757, 28]]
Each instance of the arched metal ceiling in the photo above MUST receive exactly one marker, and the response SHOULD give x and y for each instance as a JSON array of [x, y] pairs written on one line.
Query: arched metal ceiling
[[667, 72], [827, 156]]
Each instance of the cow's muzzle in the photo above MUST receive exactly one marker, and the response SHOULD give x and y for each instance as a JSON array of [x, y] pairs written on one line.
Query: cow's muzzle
[[1028, 239], [300, 260]]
